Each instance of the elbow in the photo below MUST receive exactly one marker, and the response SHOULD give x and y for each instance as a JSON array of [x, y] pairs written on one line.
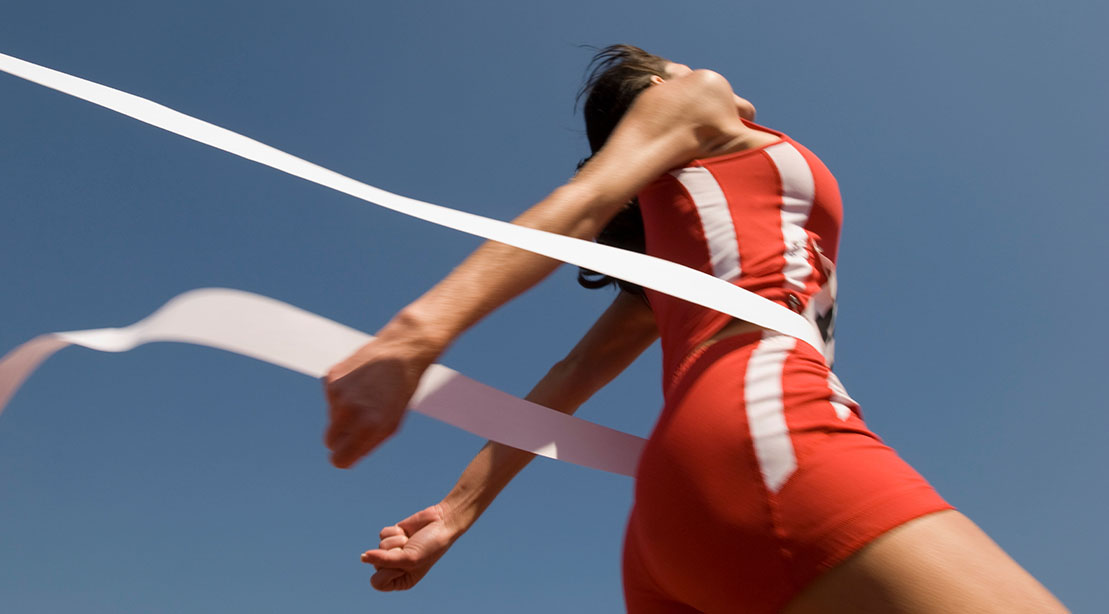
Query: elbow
[[565, 369], [574, 209], [593, 209], [576, 370]]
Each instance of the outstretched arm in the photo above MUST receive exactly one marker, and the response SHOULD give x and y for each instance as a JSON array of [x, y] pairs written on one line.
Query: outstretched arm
[[668, 125], [409, 549]]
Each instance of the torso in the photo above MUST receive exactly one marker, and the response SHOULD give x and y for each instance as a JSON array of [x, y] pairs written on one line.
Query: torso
[[752, 137], [756, 214]]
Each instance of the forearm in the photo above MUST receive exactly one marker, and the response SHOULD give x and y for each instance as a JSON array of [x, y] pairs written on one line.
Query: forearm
[[661, 131], [666, 127], [495, 273], [409, 549], [496, 464], [619, 336]]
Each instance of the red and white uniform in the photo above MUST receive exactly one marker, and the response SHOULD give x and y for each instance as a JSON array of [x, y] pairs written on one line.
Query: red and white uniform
[[760, 218], [760, 473]]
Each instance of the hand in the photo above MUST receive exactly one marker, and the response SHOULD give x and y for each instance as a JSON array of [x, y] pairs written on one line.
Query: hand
[[409, 548], [367, 394]]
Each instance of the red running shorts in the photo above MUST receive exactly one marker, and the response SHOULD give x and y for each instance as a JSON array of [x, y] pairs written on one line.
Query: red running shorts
[[759, 476]]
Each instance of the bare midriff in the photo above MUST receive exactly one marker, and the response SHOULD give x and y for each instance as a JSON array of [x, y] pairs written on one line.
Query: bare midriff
[[731, 329]]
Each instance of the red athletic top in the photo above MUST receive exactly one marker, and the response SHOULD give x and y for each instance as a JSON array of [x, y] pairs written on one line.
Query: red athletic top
[[758, 218]]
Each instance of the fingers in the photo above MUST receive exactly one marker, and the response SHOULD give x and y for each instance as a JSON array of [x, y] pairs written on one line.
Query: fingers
[[340, 441], [395, 558], [390, 531], [341, 417], [389, 580], [350, 436], [401, 558], [336, 431], [355, 430], [367, 395], [396, 541], [353, 445], [419, 520]]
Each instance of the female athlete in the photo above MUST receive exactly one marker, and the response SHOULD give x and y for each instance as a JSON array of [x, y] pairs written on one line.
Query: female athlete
[[760, 489]]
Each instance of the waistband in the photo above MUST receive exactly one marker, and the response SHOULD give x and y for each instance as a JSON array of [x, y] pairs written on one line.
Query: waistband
[[696, 360]]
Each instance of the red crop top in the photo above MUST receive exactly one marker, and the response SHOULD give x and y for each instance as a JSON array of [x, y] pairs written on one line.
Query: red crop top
[[761, 218]]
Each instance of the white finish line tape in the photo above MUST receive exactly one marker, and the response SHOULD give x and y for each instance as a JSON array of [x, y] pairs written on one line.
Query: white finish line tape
[[280, 334], [647, 271], [511, 424]]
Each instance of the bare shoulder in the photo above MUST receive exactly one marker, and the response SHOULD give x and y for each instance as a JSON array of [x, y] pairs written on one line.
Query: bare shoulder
[[701, 101], [698, 95], [669, 124]]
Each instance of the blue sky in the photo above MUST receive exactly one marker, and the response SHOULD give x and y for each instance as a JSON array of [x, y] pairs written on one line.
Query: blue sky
[[968, 139]]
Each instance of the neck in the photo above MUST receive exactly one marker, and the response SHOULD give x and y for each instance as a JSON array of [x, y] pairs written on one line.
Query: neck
[[742, 137]]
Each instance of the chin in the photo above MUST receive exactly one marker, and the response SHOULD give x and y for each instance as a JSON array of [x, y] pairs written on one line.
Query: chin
[[747, 112], [745, 108]]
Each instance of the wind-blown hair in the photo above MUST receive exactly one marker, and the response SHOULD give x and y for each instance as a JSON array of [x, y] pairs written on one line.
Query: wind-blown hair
[[617, 75]]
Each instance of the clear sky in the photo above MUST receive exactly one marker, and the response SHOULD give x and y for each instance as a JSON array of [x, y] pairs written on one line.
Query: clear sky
[[968, 138]]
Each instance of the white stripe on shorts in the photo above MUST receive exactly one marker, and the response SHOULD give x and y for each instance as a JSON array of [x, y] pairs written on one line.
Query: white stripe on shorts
[[766, 410], [841, 401]]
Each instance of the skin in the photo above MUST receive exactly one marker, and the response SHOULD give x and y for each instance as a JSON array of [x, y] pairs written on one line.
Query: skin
[[939, 563], [935, 564], [693, 115], [409, 548]]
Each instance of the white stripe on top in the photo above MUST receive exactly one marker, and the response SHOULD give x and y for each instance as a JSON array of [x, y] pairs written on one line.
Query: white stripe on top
[[716, 220], [766, 410], [798, 191]]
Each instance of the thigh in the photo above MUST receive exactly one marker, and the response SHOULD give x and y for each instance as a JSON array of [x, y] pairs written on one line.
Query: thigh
[[938, 563]]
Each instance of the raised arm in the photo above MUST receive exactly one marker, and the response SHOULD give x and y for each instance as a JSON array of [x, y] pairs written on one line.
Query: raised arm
[[669, 124], [409, 549]]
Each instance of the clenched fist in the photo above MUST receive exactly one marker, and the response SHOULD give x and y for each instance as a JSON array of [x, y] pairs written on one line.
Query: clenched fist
[[367, 394]]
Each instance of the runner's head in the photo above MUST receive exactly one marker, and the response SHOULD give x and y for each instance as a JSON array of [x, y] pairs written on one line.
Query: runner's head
[[617, 75]]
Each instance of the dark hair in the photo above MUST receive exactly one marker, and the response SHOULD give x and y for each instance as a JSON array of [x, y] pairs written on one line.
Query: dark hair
[[617, 75]]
